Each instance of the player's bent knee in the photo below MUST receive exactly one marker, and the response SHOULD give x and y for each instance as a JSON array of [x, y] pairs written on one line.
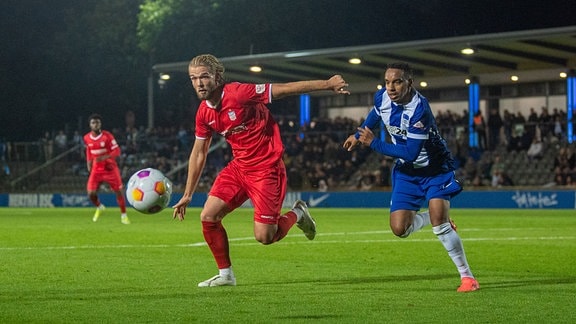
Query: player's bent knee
[[265, 240], [403, 235], [400, 232]]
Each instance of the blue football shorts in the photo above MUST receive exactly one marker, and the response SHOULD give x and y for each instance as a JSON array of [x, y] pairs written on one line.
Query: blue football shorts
[[411, 192]]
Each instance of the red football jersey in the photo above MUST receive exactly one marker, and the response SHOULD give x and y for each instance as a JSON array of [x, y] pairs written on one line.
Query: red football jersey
[[245, 122], [103, 144]]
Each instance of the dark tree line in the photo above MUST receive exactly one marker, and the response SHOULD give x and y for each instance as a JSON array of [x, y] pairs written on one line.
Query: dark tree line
[[61, 60]]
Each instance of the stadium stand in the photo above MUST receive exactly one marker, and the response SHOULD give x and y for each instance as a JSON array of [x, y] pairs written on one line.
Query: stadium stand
[[314, 157]]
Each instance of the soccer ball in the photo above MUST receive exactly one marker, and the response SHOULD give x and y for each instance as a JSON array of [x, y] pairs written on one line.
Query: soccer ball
[[149, 191]]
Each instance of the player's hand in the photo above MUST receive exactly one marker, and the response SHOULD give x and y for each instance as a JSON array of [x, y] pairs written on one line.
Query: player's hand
[[350, 142], [366, 135], [180, 208], [102, 158], [338, 84]]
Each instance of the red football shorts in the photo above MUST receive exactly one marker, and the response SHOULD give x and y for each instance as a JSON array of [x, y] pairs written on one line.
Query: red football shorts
[[265, 187], [111, 177]]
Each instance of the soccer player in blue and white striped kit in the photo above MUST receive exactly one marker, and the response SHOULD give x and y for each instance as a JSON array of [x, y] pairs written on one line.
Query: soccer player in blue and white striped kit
[[424, 167]]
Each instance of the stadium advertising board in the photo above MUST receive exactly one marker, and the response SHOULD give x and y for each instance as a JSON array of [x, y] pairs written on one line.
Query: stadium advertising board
[[372, 199]]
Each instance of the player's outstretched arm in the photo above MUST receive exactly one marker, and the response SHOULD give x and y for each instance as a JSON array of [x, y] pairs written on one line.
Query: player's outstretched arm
[[196, 164], [336, 83]]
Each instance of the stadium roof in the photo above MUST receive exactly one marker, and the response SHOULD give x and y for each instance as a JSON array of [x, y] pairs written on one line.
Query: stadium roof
[[532, 55]]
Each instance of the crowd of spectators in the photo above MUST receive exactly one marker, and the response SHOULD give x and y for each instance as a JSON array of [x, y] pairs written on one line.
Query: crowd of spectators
[[565, 167], [315, 159]]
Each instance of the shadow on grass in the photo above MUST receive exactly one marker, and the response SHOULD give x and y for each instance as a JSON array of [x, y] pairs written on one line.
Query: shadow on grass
[[359, 280], [485, 283], [493, 284]]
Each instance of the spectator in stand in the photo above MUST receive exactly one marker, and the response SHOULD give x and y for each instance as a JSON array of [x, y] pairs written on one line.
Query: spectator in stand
[[564, 165], [385, 172], [508, 125], [496, 170], [531, 123], [184, 139], [480, 129], [571, 157], [559, 179], [470, 169], [519, 119], [79, 142], [61, 142], [494, 125], [558, 128], [532, 116], [3, 157], [545, 122], [504, 180], [48, 146], [536, 149]]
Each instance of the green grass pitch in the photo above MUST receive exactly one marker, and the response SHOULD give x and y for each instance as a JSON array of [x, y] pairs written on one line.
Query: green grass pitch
[[57, 266]]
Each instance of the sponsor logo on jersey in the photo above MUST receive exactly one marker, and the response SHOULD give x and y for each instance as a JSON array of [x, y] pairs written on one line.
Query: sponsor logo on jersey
[[235, 130], [395, 130], [260, 88]]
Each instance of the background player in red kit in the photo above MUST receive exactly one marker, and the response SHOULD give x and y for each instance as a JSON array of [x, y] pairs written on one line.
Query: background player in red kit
[[101, 152], [238, 112]]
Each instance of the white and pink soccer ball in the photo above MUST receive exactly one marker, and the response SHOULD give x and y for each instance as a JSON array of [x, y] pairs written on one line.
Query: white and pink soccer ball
[[149, 191]]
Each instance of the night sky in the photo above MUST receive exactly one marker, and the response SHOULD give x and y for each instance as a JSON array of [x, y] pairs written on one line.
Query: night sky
[[40, 92]]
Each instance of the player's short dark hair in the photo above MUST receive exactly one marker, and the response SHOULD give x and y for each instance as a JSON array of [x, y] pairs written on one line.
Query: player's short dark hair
[[408, 72], [95, 116]]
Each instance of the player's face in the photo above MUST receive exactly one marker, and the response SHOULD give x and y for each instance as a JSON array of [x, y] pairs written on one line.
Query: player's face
[[95, 125], [397, 86], [203, 81]]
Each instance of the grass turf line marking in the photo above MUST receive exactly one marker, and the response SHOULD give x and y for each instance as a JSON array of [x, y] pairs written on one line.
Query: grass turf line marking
[[200, 244]]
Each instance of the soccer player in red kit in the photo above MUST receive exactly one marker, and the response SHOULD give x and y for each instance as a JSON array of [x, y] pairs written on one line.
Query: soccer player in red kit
[[238, 112], [101, 152]]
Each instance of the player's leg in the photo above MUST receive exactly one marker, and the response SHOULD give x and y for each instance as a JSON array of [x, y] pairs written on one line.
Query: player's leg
[[92, 191], [439, 191], [217, 240], [115, 182], [304, 220], [227, 194], [122, 204], [439, 210], [267, 191], [407, 198]]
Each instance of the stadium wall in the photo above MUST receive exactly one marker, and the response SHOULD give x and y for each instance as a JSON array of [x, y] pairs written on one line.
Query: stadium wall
[[528, 199]]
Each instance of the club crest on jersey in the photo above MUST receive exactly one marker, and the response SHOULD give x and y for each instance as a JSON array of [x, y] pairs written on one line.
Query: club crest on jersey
[[260, 88], [231, 115]]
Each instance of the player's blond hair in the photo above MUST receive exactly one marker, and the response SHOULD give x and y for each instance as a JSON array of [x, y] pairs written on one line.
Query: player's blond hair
[[211, 62]]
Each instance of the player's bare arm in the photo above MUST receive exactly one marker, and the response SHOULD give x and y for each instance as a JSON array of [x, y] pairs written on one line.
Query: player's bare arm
[[196, 164], [336, 83]]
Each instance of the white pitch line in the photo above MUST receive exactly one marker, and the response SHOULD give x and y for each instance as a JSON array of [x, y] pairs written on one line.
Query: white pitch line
[[238, 242]]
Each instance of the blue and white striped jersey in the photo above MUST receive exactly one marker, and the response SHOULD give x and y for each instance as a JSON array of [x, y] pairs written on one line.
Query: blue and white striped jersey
[[416, 143]]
